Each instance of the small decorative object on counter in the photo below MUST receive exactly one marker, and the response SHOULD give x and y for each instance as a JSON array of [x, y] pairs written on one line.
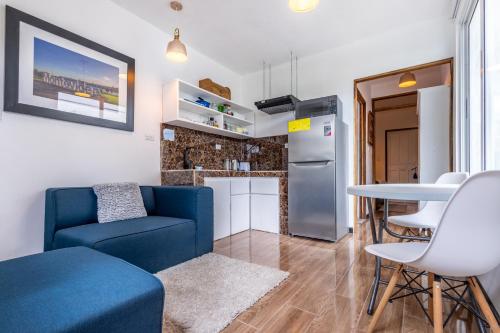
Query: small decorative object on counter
[[245, 166], [235, 165], [215, 88]]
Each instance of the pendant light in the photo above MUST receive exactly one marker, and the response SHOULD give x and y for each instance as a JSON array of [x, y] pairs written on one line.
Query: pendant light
[[302, 6], [407, 80], [176, 50]]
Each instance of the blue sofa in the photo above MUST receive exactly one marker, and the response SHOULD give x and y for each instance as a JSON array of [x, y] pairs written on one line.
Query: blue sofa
[[78, 290], [179, 225]]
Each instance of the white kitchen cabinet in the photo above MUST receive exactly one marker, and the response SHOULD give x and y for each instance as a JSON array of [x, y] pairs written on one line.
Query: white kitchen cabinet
[[265, 204], [240, 213], [265, 212], [242, 203], [240, 185], [265, 185], [222, 206]]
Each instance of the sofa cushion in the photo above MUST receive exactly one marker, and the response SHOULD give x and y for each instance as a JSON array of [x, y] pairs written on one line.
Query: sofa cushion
[[152, 242], [78, 290], [73, 206], [119, 201]]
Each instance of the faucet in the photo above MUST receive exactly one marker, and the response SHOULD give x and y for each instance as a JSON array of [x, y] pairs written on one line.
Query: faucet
[[188, 164]]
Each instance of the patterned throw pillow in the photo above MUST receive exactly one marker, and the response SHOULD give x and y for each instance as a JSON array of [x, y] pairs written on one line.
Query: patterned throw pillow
[[119, 201]]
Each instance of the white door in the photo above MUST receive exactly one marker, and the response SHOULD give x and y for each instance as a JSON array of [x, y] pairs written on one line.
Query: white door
[[222, 206], [265, 212], [402, 156], [240, 213]]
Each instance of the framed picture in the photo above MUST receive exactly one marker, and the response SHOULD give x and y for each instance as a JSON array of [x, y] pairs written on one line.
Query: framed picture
[[53, 73], [371, 128]]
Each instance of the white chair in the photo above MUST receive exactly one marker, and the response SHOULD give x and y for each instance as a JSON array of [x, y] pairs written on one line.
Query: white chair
[[428, 217], [465, 244]]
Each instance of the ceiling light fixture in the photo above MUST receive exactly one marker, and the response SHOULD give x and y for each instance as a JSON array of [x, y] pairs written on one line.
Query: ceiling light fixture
[[407, 80], [176, 50], [302, 6]]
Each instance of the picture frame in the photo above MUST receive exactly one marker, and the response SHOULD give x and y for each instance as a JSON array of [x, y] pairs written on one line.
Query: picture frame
[[371, 128], [53, 73]]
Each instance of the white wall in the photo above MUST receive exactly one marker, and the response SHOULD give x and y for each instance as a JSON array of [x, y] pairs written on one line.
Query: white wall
[[333, 71], [38, 153]]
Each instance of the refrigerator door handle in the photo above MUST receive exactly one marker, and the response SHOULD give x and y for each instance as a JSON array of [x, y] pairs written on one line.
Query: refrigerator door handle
[[312, 164]]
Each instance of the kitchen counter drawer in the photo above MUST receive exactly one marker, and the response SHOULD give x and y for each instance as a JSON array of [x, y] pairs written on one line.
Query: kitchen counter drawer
[[240, 186], [265, 185]]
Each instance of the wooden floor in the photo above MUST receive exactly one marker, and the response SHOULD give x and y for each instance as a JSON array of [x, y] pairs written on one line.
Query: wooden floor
[[327, 290]]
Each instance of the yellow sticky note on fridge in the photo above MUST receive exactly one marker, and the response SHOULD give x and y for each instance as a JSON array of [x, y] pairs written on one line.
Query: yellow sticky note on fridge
[[299, 125]]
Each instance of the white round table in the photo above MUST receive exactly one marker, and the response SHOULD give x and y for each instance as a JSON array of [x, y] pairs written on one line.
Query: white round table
[[411, 192], [406, 192]]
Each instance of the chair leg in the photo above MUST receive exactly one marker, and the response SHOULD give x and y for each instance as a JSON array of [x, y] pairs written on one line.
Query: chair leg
[[430, 282], [405, 232], [437, 305], [483, 304], [385, 297]]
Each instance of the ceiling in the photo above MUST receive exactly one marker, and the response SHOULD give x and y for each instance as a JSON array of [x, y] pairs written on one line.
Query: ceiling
[[240, 34], [426, 77]]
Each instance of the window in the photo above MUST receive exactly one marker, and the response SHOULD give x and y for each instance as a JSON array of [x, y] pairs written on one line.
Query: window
[[475, 92], [482, 73], [492, 83]]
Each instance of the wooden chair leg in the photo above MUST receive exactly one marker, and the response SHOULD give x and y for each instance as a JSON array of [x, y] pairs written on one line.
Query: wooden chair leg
[[430, 302], [438, 305], [483, 304], [385, 297]]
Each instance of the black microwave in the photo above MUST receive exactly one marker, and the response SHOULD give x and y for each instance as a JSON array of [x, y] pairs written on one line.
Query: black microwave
[[319, 107]]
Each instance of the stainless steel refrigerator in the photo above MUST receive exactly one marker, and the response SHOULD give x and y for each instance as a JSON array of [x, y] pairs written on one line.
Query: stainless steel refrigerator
[[317, 171]]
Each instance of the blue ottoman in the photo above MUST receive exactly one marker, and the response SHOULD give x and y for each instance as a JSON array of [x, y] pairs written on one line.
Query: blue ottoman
[[78, 290]]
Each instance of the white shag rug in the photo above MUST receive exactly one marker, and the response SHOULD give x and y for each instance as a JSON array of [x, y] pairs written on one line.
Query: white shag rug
[[205, 294]]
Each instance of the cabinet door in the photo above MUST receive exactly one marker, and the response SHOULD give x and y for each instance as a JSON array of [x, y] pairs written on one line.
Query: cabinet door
[[222, 209], [240, 186], [265, 185], [240, 213], [265, 212]]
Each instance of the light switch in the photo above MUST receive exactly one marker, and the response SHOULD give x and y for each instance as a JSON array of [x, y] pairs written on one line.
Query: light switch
[[168, 134]]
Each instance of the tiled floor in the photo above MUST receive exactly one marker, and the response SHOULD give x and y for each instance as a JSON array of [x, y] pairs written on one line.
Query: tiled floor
[[327, 290]]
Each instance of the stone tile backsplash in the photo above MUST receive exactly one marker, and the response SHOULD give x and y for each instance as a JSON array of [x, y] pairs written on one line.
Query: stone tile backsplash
[[272, 156]]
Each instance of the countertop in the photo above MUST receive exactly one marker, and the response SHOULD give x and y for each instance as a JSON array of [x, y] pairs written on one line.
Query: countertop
[[211, 170]]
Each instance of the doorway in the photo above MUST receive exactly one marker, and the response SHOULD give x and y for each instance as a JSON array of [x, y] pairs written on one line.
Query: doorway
[[362, 130], [401, 151], [386, 126]]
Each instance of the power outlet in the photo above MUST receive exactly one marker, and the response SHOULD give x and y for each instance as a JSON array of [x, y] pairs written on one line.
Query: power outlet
[[218, 146]]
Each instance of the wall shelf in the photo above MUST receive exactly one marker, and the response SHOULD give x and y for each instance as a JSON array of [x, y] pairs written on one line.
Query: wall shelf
[[180, 109]]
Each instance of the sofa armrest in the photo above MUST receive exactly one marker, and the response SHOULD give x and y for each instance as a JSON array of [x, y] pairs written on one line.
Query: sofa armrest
[[50, 219], [188, 202]]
